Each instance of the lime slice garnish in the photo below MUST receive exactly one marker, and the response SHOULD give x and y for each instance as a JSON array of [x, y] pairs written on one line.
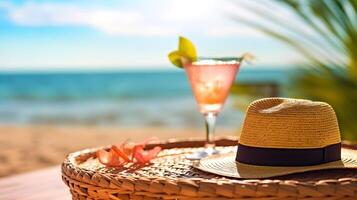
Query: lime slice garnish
[[186, 52]]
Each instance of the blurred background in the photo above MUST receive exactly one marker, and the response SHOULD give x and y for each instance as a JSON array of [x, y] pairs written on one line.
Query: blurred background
[[76, 74]]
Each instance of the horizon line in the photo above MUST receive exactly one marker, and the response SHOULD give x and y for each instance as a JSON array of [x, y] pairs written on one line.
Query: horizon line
[[128, 68]]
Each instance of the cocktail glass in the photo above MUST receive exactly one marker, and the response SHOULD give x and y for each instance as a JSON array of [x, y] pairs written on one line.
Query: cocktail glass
[[210, 81]]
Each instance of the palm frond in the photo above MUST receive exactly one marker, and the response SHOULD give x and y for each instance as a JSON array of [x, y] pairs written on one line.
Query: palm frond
[[330, 47]]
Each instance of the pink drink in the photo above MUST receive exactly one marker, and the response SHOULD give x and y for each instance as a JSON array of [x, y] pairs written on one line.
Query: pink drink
[[211, 81]]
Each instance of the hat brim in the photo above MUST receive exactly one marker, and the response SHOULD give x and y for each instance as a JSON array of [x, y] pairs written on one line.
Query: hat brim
[[225, 165]]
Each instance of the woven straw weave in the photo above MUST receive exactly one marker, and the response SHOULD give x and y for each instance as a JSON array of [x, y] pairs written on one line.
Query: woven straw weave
[[289, 123], [171, 176]]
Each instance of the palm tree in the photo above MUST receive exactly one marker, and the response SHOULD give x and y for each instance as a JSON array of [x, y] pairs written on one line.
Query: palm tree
[[325, 33]]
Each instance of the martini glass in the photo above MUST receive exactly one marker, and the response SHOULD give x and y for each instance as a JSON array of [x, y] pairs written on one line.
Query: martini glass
[[210, 81]]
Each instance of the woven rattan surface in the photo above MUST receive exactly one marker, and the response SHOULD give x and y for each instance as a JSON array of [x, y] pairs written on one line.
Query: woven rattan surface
[[171, 176]]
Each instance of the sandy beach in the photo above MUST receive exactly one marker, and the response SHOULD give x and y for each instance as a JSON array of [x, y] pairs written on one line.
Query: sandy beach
[[25, 148]]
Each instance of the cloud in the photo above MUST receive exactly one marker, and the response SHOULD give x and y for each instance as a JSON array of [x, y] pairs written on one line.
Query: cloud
[[224, 31], [157, 18], [111, 21]]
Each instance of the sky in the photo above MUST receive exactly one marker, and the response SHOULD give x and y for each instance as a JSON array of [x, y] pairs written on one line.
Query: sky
[[135, 34]]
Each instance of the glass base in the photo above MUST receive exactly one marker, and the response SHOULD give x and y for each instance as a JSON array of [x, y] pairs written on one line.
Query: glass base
[[202, 154]]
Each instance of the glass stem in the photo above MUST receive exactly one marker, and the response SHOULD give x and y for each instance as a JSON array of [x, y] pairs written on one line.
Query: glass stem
[[210, 121]]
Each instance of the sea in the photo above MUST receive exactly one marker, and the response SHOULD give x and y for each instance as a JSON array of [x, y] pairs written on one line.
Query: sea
[[116, 98]]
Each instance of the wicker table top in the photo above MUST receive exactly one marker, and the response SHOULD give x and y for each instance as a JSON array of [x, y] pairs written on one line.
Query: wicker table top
[[171, 176]]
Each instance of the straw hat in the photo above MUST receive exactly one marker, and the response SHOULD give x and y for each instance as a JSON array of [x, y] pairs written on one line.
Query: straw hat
[[283, 136]]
